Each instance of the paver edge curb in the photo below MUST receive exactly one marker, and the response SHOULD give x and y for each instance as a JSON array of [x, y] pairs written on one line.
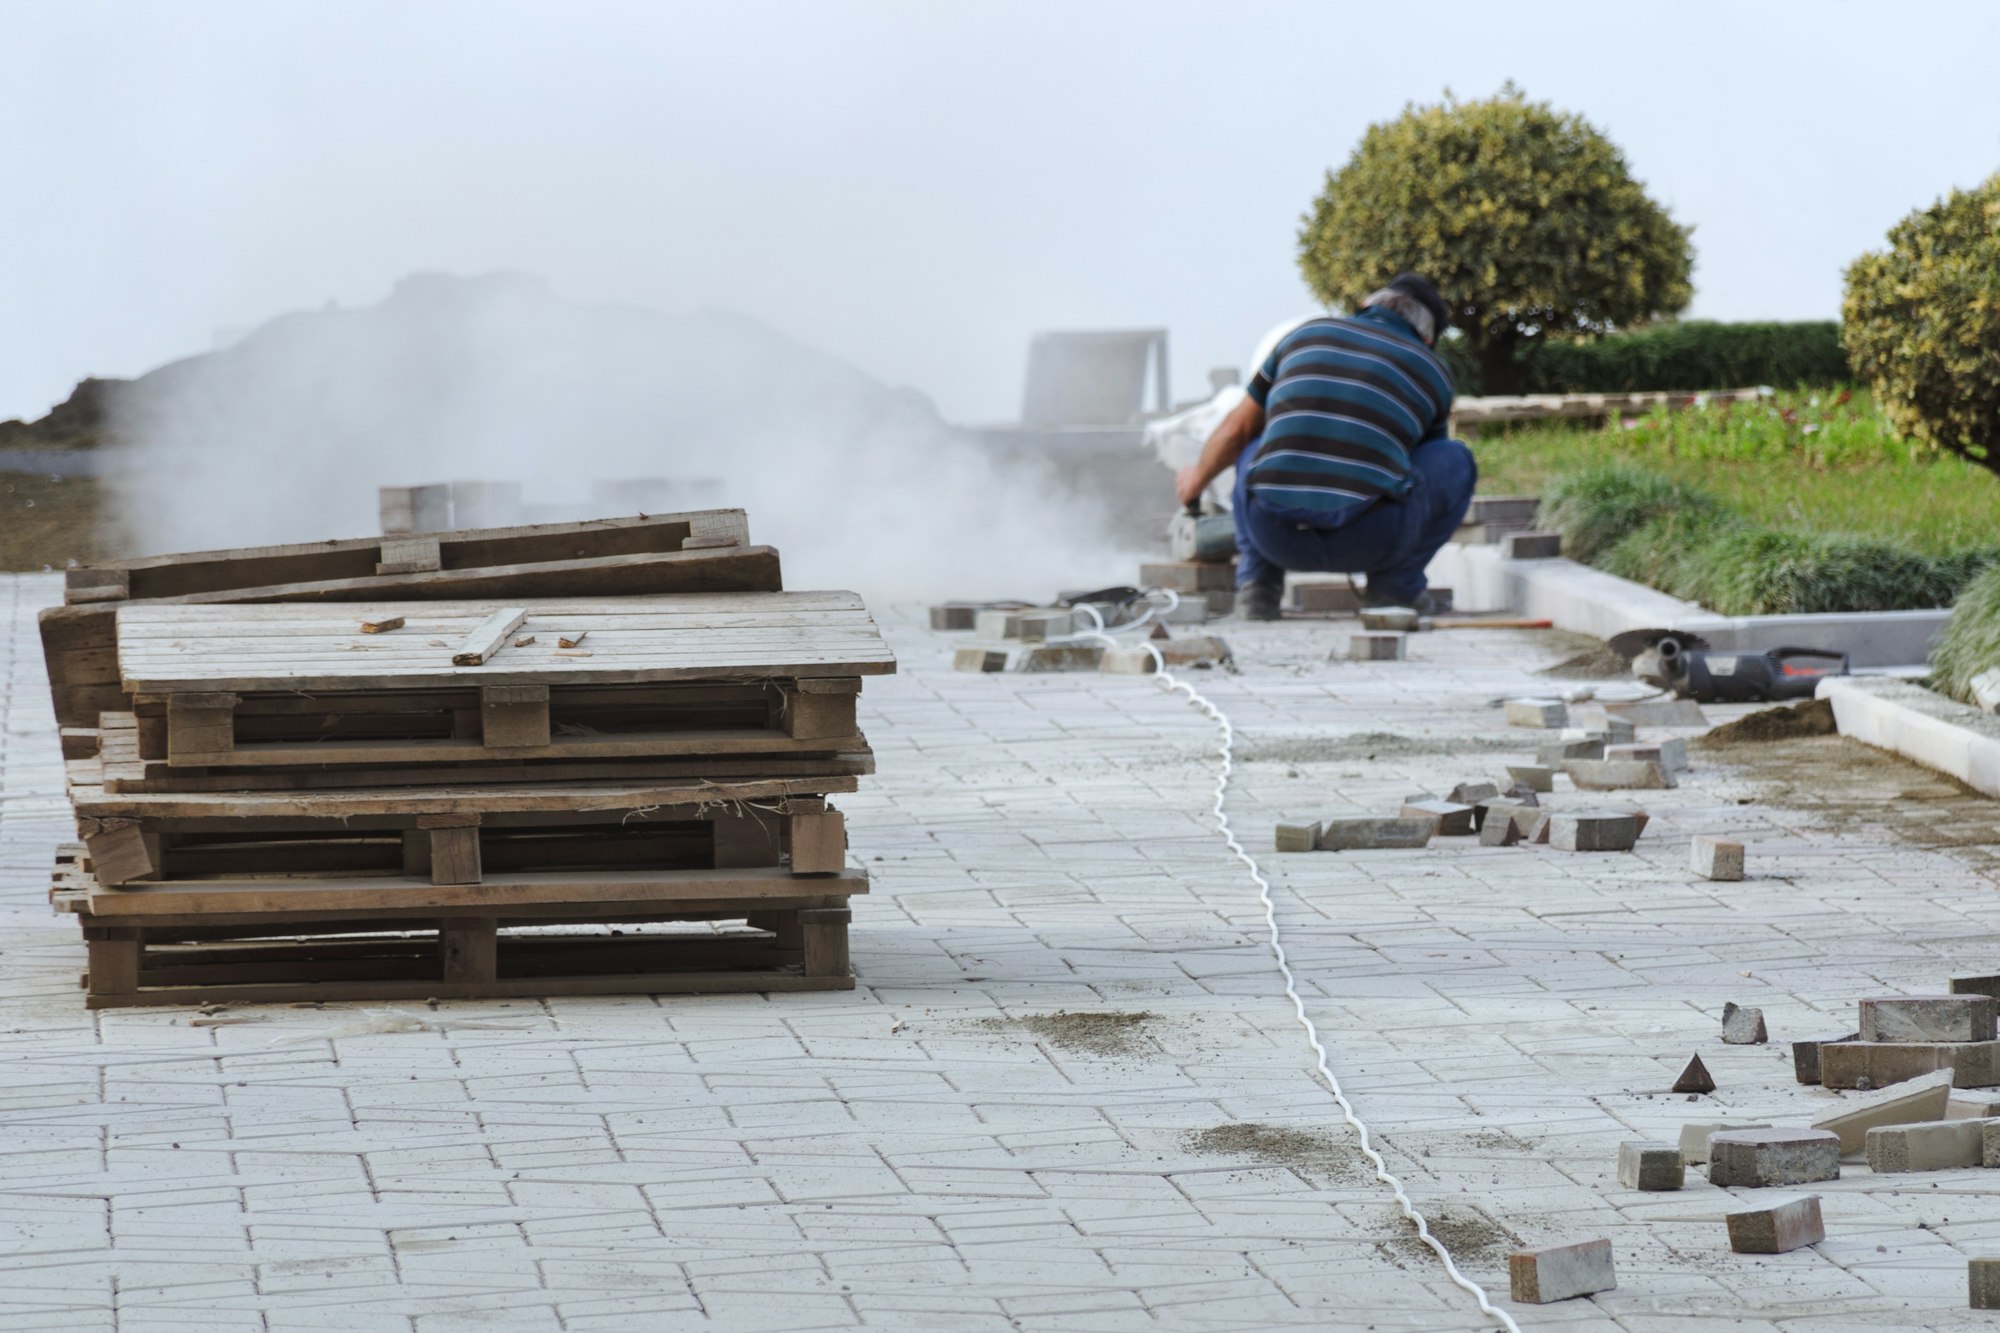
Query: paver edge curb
[[1906, 719]]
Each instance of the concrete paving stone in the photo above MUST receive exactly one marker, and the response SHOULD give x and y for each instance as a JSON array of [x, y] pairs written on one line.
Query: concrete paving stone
[[1921, 1099], [1864, 1064], [1764, 1157], [1912, 1018]]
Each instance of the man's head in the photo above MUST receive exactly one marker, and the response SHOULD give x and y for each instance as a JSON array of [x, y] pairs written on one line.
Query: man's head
[[1415, 299]]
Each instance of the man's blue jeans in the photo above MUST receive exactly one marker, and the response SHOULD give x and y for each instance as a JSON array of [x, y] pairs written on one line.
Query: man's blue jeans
[[1390, 541]]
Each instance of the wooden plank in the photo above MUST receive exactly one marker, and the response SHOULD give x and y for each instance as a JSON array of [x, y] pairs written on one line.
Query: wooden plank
[[489, 636], [819, 843], [750, 839], [169, 925], [383, 626], [86, 583], [150, 779], [445, 750], [644, 983], [341, 807]]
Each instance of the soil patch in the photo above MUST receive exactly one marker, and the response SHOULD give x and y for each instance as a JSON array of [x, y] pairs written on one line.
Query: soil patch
[[1091, 1033], [1791, 722], [1598, 663], [1315, 1151], [1470, 1235]]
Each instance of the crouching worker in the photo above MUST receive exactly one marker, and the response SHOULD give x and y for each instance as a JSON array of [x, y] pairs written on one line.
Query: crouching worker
[[1342, 462]]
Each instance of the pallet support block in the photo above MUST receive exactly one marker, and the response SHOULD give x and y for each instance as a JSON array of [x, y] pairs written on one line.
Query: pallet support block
[[200, 724], [821, 709], [469, 949], [823, 937], [121, 852], [454, 847], [513, 715], [409, 555], [747, 840], [819, 843]]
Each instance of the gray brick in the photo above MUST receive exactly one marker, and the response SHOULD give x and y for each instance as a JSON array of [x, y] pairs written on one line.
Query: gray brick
[[1763, 1157], [1535, 777], [1805, 1055], [1560, 1272], [1537, 713], [1532, 546], [1472, 793], [1585, 832], [1928, 1018], [1454, 820], [1377, 647], [1877, 1064], [1716, 858], [1779, 1229], [1298, 837], [1650, 1166], [1940, 1145], [1972, 1106], [1984, 1277], [1618, 775], [1368, 831]]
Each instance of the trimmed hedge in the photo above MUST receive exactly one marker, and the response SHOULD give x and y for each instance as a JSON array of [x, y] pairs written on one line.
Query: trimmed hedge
[[1696, 354]]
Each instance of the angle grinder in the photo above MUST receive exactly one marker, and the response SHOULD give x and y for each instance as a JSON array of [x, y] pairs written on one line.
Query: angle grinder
[[1685, 664], [1207, 538]]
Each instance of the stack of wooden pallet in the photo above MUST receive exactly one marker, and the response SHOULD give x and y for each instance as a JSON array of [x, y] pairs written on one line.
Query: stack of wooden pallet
[[480, 763]]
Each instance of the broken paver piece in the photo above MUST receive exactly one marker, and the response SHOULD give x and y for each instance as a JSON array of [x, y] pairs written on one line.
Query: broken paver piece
[[1650, 1166], [1695, 1078], [1928, 1018], [1743, 1026], [1535, 777], [1298, 837], [1910, 1103], [1559, 753], [1472, 793], [1584, 832], [1805, 1055], [1939, 1145], [1377, 647], [1500, 833], [1540, 832], [1454, 820], [1559, 1272], [1618, 775], [1877, 1064], [1695, 1137], [1763, 1157], [1367, 831], [1781, 1228], [1716, 858], [954, 615], [1989, 1140], [1972, 1106], [1537, 713]]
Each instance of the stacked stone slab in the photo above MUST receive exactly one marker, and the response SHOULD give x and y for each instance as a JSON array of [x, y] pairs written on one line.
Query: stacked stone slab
[[1901, 1037]]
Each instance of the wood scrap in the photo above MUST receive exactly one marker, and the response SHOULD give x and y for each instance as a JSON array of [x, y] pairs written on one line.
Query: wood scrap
[[488, 636], [382, 626]]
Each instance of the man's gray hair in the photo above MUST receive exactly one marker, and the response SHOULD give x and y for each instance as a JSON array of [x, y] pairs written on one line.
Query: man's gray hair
[[1411, 309]]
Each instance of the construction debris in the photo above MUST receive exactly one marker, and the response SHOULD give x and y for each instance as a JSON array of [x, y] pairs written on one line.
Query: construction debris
[[1743, 1026], [1535, 777], [1779, 1229], [1582, 831], [1650, 1166], [1805, 1055], [1298, 837], [1695, 1078], [1765, 1157], [1618, 775], [1938, 1145], [1877, 1064], [1377, 647], [1367, 832], [1560, 1272], [1453, 820], [1928, 1018], [1695, 1137], [1716, 858]]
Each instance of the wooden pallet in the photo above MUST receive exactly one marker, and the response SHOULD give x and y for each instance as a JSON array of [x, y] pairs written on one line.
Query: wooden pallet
[[700, 552]]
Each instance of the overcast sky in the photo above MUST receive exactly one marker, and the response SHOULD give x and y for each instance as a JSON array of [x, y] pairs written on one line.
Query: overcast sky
[[915, 186]]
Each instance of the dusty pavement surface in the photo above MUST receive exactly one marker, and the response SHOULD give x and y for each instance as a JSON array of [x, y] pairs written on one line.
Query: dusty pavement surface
[[1068, 1093]]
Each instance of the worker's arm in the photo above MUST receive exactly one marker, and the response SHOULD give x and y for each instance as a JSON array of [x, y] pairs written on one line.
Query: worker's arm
[[1222, 450]]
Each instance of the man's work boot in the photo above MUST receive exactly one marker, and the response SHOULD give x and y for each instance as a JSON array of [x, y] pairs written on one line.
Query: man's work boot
[[1258, 601]]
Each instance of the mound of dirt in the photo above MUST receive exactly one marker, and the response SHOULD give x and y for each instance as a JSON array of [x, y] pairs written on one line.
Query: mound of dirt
[[1598, 663], [1092, 1033], [1318, 1151], [1790, 722]]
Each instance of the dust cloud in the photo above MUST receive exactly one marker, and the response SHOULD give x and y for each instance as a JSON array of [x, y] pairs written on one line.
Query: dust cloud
[[286, 435]]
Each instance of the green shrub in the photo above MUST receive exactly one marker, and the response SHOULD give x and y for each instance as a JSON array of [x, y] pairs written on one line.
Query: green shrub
[[1696, 355], [1658, 552], [1768, 571], [1921, 321], [1596, 508], [1970, 643]]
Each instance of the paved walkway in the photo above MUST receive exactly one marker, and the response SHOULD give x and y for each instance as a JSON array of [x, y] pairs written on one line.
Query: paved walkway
[[1068, 1093]]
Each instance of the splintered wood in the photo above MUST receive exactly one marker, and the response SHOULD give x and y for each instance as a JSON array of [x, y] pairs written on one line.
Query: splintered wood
[[623, 723]]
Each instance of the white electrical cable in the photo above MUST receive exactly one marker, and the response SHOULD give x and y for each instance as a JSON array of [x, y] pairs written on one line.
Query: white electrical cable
[[1226, 752]]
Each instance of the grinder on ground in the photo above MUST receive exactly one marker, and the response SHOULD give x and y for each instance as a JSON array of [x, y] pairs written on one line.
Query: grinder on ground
[[1686, 665]]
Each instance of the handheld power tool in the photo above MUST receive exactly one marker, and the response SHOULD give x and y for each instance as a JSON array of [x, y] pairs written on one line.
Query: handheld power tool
[[1686, 665], [1208, 538]]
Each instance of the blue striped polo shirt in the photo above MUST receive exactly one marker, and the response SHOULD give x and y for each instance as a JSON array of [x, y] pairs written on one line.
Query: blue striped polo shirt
[[1346, 401]]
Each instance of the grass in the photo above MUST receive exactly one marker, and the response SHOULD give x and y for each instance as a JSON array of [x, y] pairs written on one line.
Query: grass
[[1806, 503], [1970, 643]]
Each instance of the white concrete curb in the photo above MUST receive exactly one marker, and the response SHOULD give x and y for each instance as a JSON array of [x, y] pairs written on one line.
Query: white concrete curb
[[1955, 739], [1589, 601]]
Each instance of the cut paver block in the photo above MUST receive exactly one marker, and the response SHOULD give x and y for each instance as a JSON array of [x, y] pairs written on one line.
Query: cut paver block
[[1503, 807], [979, 658], [1367, 831], [1535, 777], [1928, 1018], [1972, 1106], [1619, 731], [1128, 660], [1560, 1272], [1580, 832], [1651, 1166], [1743, 1026], [1058, 657], [1695, 1137], [1763, 1157], [1940, 1145], [1657, 712], [1537, 713], [1400, 618], [1716, 858], [1910, 1103], [1989, 1139], [1298, 837], [1324, 597], [1189, 575], [1028, 624], [1501, 833], [1540, 832], [1454, 820], [1779, 1229], [1472, 793], [954, 615], [1975, 986], [1805, 1055], [1984, 1277], [1877, 1064], [1532, 545], [1561, 752], [1377, 647], [1521, 794], [1618, 775], [1507, 510], [1695, 1077]]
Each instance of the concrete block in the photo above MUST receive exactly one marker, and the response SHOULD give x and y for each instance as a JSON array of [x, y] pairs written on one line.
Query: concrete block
[[1373, 647], [1540, 832], [1559, 1272], [1919, 1100], [1975, 986], [1402, 619], [954, 615], [1928, 1018], [1619, 731], [1535, 777], [1877, 1064], [1298, 837], [1058, 657], [1743, 1026], [1532, 545], [1508, 510], [1763, 1157], [1561, 752], [1618, 775], [1805, 1055], [1520, 793], [1505, 823], [1989, 1139], [1201, 650], [1368, 831], [1972, 1106], [1501, 806], [1324, 598], [1669, 754], [1128, 660], [1472, 793], [1581, 832], [1028, 624], [1501, 833], [1537, 713], [1454, 820], [1650, 1166], [979, 657], [1779, 1229], [1938, 1145], [1695, 1137], [1716, 858], [1195, 608], [1983, 1275], [1189, 575], [1658, 712], [1592, 734]]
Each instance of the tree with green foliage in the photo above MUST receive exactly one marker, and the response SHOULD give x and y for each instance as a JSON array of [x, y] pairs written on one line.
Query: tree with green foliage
[[1921, 321], [1527, 218]]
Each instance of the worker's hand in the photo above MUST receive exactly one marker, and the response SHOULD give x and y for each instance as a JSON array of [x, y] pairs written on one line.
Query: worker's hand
[[1189, 484]]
